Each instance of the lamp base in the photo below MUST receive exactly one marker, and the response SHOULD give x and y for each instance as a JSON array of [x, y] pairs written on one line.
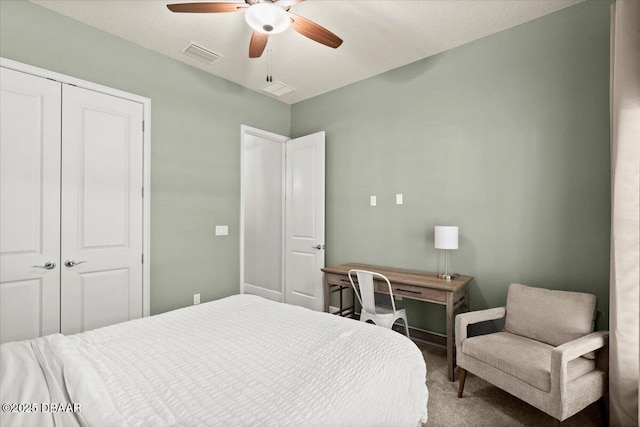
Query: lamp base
[[447, 276]]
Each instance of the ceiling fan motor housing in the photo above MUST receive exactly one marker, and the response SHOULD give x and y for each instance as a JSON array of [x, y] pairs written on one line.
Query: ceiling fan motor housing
[[267, 18]]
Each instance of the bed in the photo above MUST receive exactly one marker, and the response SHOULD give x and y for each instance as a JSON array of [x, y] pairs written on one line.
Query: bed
[[237, 361]]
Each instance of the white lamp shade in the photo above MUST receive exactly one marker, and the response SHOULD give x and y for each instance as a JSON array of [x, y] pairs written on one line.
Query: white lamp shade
[[267, 18], [446, 237]]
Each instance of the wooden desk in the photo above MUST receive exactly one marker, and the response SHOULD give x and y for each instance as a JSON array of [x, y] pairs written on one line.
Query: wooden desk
[[412, 284]]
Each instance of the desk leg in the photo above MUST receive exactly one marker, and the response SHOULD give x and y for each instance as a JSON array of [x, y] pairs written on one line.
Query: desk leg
[[325, 290], [450, 349]]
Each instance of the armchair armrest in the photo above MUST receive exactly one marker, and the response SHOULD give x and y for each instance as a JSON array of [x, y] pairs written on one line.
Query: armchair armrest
[[563, 354], [465, 319], [581, 346]]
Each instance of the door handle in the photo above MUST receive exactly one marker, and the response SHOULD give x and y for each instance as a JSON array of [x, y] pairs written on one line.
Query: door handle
[[72, 263], [47, 265], [318, 247]]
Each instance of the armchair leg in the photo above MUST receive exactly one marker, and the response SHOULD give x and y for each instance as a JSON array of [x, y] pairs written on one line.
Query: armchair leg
[[463, 376], [602, 408]]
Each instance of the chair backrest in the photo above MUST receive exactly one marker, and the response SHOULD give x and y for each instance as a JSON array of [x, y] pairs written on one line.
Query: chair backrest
[[552, 317], [365, 291]]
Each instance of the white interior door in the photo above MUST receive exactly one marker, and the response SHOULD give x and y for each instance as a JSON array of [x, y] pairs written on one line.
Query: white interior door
[[29, 206], [102, 209], [282, 217], [304, 219]]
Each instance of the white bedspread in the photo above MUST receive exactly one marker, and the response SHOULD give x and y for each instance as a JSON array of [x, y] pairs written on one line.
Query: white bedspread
[[238, 361]]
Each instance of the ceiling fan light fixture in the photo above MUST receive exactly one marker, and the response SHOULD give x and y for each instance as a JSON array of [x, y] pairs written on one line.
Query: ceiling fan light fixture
[[267, 18]]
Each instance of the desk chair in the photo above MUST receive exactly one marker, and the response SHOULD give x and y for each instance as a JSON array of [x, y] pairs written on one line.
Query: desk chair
[[379, 315]]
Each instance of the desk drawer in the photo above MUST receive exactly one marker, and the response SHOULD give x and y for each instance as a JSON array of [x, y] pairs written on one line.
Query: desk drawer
[[409, 291], [337, 279], [416, 292]]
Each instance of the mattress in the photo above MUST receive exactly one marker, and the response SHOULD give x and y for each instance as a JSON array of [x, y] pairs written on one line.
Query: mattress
[[238, 361]]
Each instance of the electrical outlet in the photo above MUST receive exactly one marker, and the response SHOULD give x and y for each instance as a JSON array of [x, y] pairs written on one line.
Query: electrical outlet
[[373, 200], [397, 297], [196, 299]]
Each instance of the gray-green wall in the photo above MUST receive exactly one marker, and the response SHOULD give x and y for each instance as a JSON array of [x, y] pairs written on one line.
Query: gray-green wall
[[195, 148], [506, 137]]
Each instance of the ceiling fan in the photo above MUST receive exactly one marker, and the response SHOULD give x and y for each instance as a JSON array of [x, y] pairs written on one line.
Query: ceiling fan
[[265, 17]]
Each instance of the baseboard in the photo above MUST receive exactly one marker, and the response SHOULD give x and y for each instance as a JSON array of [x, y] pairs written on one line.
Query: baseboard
[[262, 292], [418, 335], [427, 337], [333, 309]]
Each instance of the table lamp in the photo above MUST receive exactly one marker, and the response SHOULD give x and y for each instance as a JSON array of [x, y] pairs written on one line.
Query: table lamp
[[446, 237]]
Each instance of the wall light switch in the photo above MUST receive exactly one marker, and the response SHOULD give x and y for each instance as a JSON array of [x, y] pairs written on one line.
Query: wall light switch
[[398, 199], [372, 200], [222, 230], [196, 299]]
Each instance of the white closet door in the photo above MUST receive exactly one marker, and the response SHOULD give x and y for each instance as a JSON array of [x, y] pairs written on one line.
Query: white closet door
[[102, 150], [304, 219], [29, 206]]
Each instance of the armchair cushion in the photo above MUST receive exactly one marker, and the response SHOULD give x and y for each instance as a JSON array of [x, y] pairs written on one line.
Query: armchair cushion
[[523, 358], [553, 317]]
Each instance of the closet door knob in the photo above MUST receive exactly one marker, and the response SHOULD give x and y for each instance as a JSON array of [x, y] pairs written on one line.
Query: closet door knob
[[47, 265], [72, 263]]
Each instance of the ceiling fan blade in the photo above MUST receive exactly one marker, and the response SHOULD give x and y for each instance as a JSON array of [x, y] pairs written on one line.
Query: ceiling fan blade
[[287, 3], [206, 7], [257, 45], [314, 31]]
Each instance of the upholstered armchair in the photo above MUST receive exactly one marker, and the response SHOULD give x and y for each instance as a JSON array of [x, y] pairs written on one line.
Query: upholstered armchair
[[546, 355]]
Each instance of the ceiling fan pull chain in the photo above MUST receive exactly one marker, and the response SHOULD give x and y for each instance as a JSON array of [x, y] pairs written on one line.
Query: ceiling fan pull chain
[[269, 73]]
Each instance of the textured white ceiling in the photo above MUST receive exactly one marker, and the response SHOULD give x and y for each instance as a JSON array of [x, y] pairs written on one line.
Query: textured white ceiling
[[378, 35]]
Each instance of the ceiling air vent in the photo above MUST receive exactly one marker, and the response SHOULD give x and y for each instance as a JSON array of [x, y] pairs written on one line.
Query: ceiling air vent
[[277, 89], [200, 53]]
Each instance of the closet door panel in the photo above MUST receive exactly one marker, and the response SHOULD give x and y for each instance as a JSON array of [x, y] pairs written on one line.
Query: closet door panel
[[29, 206], [102, 210]]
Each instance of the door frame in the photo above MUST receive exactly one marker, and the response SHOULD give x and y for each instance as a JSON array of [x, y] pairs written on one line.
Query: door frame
[[146, 153], [248, 130]]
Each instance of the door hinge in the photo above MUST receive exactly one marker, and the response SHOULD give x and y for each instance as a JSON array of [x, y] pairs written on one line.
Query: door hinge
[[143, 126], [142, 258], [143, 192]]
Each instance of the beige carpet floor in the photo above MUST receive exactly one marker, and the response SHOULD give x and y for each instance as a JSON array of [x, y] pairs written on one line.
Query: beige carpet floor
[[482, 403]]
